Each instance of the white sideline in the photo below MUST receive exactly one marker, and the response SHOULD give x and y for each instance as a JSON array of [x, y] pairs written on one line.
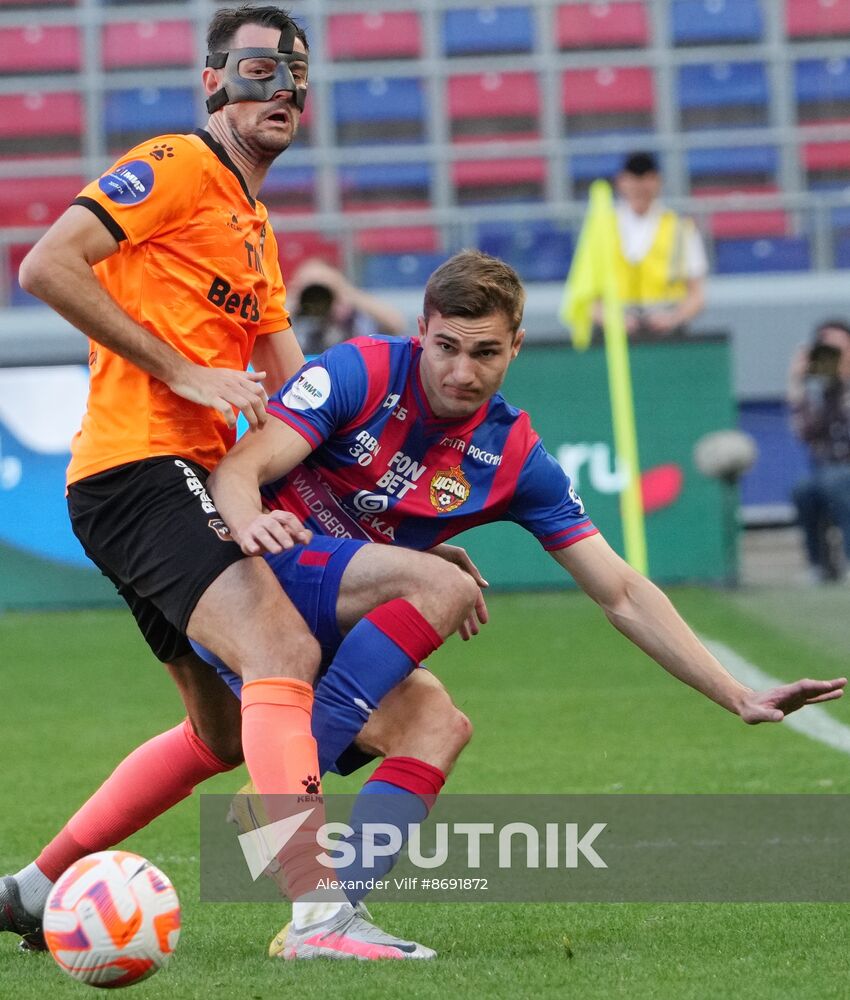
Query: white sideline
[[812, 721]]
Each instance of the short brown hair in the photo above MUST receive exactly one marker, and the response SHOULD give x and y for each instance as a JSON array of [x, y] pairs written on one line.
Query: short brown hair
[[228, 20], [474, 284]]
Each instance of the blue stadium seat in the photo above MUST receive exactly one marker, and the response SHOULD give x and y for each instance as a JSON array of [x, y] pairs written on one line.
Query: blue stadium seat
[[367, 183], [290, 187], [709, 22], [477, 31], [148, 111], [790, 253], [379, 109], [822, 88], [721, 95], [588, 167], [539, 250], [842, 251], [725, 165], [399, 270]]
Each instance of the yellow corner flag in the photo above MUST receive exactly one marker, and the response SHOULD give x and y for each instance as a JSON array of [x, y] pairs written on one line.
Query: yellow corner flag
[[593, 278]]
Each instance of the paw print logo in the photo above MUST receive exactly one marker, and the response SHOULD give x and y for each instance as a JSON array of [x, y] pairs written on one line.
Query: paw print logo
[[160, 152], [311, 784]]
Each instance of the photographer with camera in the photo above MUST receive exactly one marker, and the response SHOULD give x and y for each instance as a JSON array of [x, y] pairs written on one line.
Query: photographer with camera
[[819, 397], [327, 309]]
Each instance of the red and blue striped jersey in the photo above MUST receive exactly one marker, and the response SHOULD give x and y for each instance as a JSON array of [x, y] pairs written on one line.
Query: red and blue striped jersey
[[385, 468]]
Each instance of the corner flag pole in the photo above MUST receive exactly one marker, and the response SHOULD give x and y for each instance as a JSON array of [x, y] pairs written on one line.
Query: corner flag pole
[[593, 277]]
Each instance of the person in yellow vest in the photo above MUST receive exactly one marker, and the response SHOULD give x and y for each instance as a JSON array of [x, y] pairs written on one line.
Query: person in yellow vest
[[662, 262]]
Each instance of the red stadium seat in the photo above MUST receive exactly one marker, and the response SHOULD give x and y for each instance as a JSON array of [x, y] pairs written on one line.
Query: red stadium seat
[[398, 239], [39, 48], [38, 122], [390, 35], [478, 181], [293, 248], [36, 201], [826, 163], [602, 26], [817, 18], [488, 105], [751, 223], [826, 155], [152, 44], [610, 98]]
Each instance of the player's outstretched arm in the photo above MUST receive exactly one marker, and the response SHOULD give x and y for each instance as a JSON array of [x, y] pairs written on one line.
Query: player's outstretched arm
[[256, 459], [636, 607], [58, 270]]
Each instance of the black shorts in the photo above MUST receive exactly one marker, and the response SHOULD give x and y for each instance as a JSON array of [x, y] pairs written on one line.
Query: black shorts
[[151, 527]]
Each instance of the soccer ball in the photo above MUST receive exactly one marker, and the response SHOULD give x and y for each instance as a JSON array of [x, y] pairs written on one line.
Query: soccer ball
[[112, 919]]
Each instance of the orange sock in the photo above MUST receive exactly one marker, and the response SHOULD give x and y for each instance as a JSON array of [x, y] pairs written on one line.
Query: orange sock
[[277, 741], [283, 762]]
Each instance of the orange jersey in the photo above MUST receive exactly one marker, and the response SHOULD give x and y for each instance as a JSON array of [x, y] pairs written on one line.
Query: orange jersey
[[197, 266]]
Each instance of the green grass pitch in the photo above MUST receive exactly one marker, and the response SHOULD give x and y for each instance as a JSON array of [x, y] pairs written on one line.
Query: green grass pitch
[[561, 703]]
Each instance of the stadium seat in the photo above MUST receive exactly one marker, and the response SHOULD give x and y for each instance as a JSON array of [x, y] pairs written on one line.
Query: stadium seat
[[388, 35], [790, 253], [602, 25], [398, 239], [723, 95], [716, 22], [806, 19], [494, 105], [293, 248], [539, 250], [39, 48], [487, 30], [610, 99], [36, 201], [406, 270], [750, 223], [743, 217], [131, 116], [842, 252], [822, 89], [292, 189], [379, 110], [149, 44], [510, 180], [369, 186], [41, 123], [826, 163], [585, 168], [727, 166]]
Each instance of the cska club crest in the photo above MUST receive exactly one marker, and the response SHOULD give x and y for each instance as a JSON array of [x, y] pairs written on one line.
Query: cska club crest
[[449, 489]]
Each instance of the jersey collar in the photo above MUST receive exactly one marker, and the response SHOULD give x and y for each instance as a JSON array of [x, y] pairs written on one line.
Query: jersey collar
[[222, 154]]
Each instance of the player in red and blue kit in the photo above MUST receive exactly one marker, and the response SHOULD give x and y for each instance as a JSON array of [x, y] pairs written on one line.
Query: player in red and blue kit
[[409, 442]]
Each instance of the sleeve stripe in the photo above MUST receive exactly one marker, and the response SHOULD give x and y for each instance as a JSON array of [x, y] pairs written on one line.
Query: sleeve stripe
[[565, 543], [288, 417], [565, 532], [97, 209]]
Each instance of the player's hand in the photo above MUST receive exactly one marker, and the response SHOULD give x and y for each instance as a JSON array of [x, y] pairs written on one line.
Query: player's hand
[[273, 532], [223, 389], [460, 557], [775, 704]]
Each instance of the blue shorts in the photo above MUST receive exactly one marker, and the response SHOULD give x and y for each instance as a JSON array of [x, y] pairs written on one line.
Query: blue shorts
[[310, 576]]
